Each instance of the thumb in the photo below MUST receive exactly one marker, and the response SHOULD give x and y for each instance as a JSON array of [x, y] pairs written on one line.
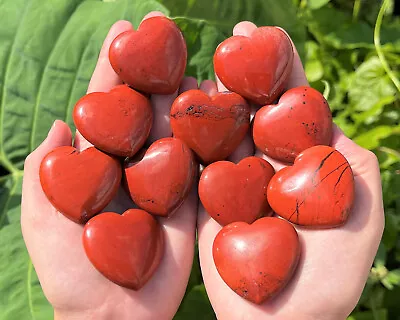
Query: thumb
[[59, 135], [361, 160]]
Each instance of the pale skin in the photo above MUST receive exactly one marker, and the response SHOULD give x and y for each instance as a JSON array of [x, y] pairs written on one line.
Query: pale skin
[[334, 263]]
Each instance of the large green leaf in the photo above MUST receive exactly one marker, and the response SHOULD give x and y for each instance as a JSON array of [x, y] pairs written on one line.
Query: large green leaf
[[196, 305], [370, 85], [224, 14], [337, 28], [21, 296], [47, 67], [202, 39]]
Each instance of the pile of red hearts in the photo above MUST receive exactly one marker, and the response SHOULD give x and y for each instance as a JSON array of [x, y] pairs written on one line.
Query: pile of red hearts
[[255, 254]]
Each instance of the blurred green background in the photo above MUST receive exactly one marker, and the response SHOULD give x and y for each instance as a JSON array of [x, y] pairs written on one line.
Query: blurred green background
[[48, 50]]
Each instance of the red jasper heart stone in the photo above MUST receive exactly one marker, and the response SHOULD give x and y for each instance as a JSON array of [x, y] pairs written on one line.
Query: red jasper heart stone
[[126, 249], [117, 122], [212, 127], [256, 67], [302, 119], [317, 191], [151, 59], [161, 181], [257, 261], [236, 192], [79, 184]]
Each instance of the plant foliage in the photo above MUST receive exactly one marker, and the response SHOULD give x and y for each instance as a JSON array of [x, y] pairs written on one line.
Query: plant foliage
[[48, 50]]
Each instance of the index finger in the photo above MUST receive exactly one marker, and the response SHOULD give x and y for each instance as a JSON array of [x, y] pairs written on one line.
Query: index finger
[[104, 77]]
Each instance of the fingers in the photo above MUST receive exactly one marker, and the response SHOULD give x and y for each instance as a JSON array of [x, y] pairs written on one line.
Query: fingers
[[209, 87], [59, 135], [297, 77], [104, 77], [244, 28], [188, 83], [362, 161], [153, 14], [278, 165], [161, 105], [246, 147]]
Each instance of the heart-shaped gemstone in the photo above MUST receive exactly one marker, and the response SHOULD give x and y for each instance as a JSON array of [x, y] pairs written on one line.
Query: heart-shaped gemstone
[[151, 59], [256, 67], [126, 249], [302, 119], [79, 184], [212, 127], [161, 181], [236, 192], [258, 260], [317, 191], [116, 122]]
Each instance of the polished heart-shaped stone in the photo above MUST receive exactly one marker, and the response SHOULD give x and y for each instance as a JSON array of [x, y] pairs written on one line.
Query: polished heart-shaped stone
[[256, 67], [301, 119], [258, 260], [117, 122], [161, 181], [212, 127], [236, 192], [317, 191], [127, 248], [79, 184], [151, 59]]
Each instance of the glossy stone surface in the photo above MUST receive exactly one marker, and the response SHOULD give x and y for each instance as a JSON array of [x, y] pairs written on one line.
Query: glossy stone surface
[[317, 191], [117, 122], [256, 67], [258, 260], [301, 119], [151, 59], [79, 184], [161, 181], [212, 127], [236, 192], [126, 249]]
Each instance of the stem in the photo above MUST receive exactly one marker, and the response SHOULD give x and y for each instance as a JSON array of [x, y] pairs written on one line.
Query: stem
[[356, 9], [377, 42], [390, 151]]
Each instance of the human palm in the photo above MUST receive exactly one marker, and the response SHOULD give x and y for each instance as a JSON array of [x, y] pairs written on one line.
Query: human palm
[[327, 284], [334, 263], [70, 282]]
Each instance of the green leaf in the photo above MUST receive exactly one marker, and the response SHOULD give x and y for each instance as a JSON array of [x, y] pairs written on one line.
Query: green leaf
[[392, 229], [21, 296], [372, 114], [370, 139], [202, 39], [316, 4], [224, 14], [392, 279], [370, 74], [380, 314], [196, 306], [336, 28], [49, 64], [313, 66]]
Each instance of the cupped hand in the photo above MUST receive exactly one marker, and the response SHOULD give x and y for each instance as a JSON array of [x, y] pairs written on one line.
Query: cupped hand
[[72, 285], [334, 263]]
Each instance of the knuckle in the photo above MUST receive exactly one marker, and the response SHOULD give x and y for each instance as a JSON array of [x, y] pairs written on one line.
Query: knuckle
[[371, 158]]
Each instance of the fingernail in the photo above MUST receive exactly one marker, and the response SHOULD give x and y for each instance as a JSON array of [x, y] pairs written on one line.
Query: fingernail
[[52, 128]]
